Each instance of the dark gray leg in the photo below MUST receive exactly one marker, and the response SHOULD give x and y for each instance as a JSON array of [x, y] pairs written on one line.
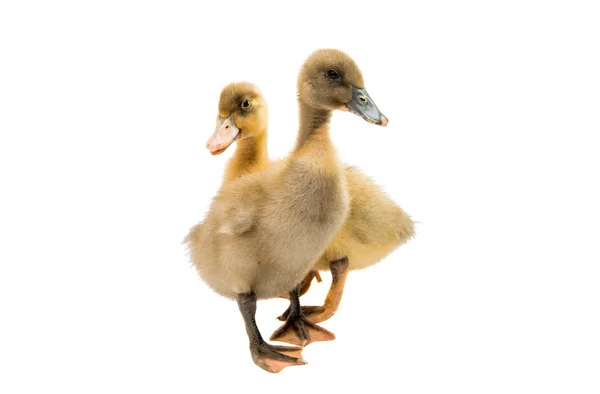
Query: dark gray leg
[[268, 357]]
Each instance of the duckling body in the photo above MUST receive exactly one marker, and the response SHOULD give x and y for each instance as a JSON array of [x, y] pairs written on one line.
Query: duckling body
[[264, 231]]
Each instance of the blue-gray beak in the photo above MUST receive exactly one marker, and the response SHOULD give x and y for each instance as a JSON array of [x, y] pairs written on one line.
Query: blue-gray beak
[[362, 105]]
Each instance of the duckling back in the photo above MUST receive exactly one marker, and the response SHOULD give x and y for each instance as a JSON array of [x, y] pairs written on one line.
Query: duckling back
[[375, 225]]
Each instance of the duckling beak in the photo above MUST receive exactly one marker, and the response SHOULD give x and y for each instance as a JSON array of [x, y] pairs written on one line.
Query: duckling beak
[[362, 105], [224, 135]]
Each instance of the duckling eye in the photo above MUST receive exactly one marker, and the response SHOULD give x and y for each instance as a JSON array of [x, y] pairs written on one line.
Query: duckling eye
[[333, 75], [246, 104]]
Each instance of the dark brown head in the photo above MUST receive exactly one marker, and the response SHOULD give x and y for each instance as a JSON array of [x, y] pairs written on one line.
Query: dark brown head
[[242, 114], [330, 80]]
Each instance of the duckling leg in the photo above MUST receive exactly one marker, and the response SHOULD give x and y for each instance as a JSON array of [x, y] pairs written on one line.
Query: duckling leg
[[297, 329], [268, 357], [318, 314], [305, 285]]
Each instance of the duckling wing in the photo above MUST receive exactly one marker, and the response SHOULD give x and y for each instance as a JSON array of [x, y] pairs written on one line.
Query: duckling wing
[[374, 217], [237, 221], [238, 204]]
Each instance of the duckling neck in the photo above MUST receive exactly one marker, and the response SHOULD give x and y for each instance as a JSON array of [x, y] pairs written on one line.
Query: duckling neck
[[314, 125], [250, 155]]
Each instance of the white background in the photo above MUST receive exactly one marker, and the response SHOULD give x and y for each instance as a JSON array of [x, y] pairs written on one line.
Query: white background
[[492, 147]]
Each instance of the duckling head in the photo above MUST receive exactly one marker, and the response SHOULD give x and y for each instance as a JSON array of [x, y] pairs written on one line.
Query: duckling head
[[242, 114], [330, 80]]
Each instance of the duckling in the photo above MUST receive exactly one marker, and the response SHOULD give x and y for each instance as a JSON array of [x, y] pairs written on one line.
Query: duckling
[[264, 231], [374, 227]]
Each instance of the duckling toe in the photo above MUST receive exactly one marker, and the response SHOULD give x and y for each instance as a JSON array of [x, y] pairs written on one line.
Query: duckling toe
[[298, 330], [274, 359], [285, 315], [317, 314]]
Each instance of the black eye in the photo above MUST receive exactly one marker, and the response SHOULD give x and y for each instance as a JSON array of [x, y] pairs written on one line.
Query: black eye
[[333, 75], [246, 104]]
